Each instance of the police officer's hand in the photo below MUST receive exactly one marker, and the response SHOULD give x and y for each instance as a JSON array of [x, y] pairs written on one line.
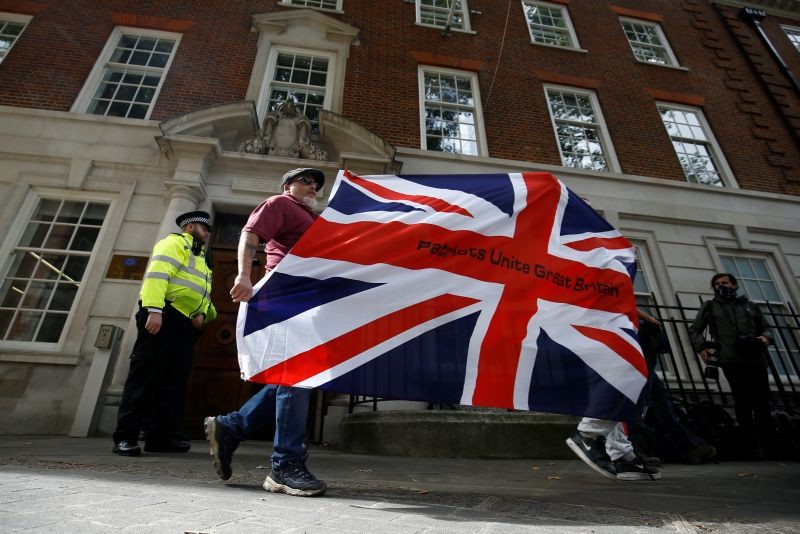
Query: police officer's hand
[[153, 324], [704, 355], [197, 321], [242, 289]]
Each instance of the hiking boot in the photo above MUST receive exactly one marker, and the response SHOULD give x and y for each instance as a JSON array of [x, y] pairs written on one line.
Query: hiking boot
[[293, 478], [222, 445], [127, 448], [592, 452], [635, 469]]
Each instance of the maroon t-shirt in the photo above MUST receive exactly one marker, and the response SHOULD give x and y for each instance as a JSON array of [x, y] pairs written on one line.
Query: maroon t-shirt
[[279, 221]]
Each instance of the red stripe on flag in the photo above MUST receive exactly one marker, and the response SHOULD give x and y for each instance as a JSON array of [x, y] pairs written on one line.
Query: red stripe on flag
[[327, 355], [616, 343], [435, 203], [610, 243]]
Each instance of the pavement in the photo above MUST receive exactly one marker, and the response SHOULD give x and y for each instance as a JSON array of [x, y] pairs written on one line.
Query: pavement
[[66, 485]]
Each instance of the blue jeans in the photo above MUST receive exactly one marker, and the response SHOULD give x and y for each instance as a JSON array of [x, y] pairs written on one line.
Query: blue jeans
[[289, 407]]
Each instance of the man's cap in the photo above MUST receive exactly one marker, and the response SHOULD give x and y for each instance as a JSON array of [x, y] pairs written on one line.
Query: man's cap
[[201, 217], [316, 174]]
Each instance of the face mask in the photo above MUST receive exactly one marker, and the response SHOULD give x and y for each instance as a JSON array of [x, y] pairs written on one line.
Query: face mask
[[725, 292]]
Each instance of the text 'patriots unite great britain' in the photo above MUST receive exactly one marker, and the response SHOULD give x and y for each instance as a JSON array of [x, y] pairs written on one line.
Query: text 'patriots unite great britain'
[[512, 263]]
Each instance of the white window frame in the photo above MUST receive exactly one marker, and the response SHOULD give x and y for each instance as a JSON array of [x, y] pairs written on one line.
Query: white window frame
[[263, 100], [602, 129], [464, 12], [296, 31], [14, 17], [76, 314], [645, 267], [793, 34], [480, 133], [672, 61], [724, 171], [84, 100], [304, 4], [569, 31]]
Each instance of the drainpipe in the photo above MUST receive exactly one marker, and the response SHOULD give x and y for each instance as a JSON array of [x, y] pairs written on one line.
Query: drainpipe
[[449, 22], [753, 18]]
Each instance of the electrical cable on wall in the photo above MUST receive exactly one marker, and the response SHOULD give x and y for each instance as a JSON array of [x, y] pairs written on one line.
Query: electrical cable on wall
[[497, 65]]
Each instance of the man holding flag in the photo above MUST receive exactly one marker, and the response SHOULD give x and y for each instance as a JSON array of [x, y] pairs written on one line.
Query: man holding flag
[[279, 221]]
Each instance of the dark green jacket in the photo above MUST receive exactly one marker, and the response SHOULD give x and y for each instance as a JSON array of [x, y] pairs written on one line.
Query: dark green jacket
[[726, 321]]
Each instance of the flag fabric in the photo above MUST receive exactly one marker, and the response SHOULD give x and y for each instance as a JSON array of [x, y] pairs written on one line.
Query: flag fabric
[[495, 290]]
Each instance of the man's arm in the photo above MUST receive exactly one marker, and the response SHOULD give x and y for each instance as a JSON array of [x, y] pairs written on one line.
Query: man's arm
[[242, 288], [762, 332], [697, 328]]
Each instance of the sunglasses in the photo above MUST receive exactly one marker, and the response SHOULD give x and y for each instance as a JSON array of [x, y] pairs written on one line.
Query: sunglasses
[[306, 180]]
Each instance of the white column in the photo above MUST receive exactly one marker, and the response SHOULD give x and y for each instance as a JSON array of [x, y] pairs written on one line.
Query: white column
[[181, 199]]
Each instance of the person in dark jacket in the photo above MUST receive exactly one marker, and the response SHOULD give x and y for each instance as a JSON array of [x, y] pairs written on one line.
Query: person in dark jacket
[[739, 340]]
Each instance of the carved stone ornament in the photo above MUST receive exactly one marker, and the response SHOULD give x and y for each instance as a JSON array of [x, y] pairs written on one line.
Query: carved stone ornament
[[285, 133]]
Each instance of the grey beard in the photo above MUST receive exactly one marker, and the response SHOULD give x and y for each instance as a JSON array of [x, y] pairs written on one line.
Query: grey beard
[[311, 201]]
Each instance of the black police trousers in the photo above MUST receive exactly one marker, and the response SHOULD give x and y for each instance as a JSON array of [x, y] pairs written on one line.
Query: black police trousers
[[158, 377]]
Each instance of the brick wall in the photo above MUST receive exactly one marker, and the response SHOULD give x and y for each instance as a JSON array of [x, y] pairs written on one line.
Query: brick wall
[[48, 66]]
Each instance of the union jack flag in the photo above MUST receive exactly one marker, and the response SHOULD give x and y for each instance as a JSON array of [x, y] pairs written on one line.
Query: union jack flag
[[501, 290]]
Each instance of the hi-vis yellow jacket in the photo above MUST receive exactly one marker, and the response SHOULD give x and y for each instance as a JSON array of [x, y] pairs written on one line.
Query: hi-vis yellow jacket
[[176, 275]]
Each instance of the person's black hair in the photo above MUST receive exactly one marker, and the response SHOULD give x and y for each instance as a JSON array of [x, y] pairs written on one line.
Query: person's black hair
[[720, 275]]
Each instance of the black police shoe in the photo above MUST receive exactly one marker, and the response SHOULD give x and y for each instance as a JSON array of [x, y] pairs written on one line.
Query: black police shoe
[[127, 448]]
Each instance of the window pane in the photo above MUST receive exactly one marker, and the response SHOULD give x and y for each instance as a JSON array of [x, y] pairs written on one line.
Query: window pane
[[40, 281], [12, 291], [63, 296], [60, 236], [51, 328], [136, 61], [24, 326], [646, 42], [75, 267], [304, 78], [49, 265], [436, 12], [548, 24], [37, 294], [9, 33], [692, 146], [579, 135], [34, 235]]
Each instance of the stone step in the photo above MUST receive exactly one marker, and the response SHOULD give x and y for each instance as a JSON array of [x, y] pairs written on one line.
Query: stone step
[[458, 434]]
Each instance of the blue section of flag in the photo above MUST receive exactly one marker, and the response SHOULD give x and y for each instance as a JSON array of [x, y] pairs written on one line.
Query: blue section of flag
[[430, 367], [565, 384], [494, 188], [283, 296], [580, 218], [349, 200]]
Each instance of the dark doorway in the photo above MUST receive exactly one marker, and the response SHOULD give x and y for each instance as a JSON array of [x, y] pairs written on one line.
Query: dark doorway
[[215, 386]]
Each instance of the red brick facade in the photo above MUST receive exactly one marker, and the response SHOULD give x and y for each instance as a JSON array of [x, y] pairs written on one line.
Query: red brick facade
[[753, 110]]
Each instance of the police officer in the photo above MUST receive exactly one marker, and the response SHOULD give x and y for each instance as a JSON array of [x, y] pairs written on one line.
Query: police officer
[[175, 303]]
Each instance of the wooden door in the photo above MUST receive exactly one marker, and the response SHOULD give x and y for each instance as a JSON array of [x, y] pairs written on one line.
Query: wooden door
[[215, 386]]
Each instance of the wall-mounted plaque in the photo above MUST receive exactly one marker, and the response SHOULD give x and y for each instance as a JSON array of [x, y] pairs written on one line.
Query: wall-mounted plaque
[[127, 267]]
